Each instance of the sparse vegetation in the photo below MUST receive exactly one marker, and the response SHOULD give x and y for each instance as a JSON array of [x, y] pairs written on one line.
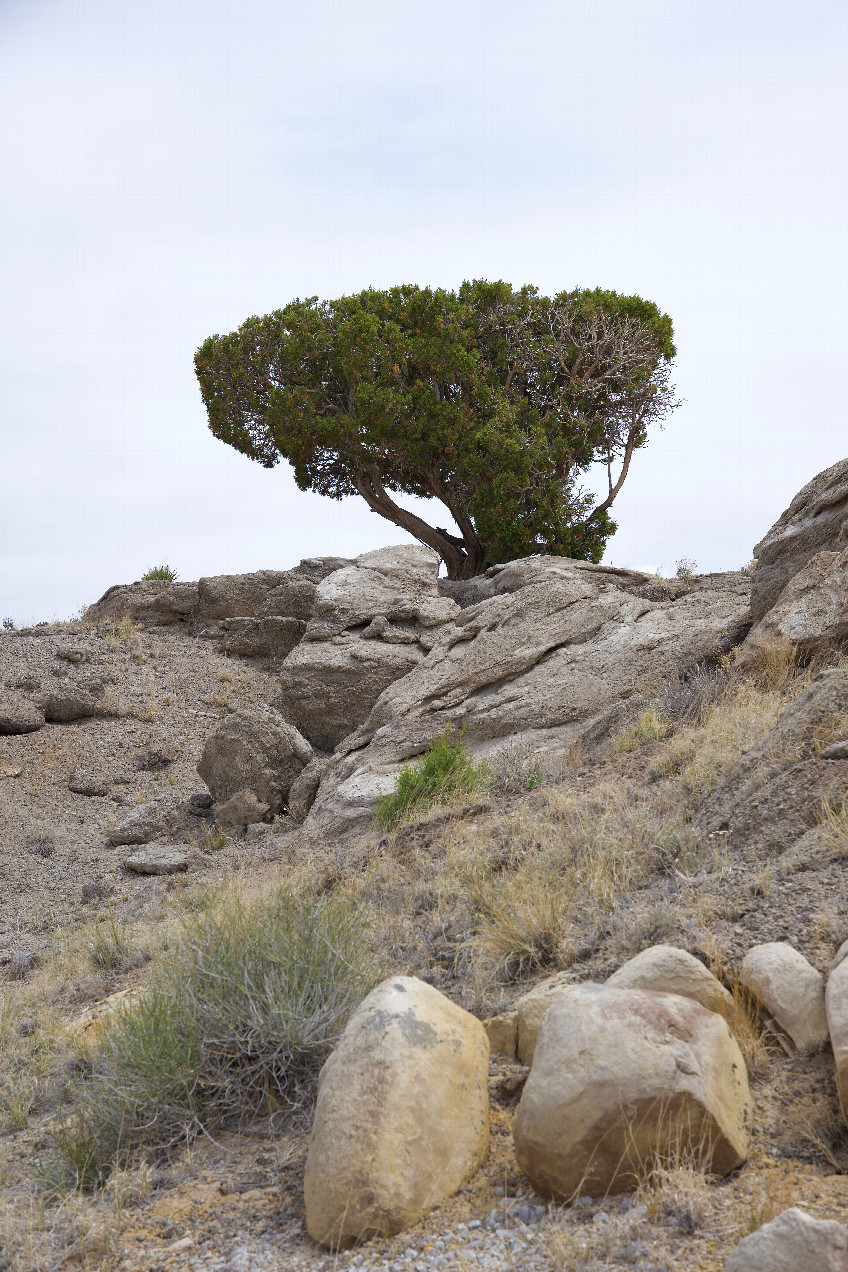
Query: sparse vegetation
[[160, 574], [236, 1025], [445, 773], [651, 726], [685, 568]]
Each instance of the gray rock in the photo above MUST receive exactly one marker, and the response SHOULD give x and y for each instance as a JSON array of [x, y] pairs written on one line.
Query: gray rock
[[234, 595], [159, 817], [255, 749], [159, 859], [18, 714], [568, 655], [304, 788], [270, 637], [241, 809], [152, 604], [811, 613], [815, 521], [836, 1006], [68, 699], [793, 1242]]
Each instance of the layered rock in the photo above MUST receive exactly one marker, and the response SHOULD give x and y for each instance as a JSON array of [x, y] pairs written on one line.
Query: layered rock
[[372, 622], [810, 614], [564, 652], [255, 750], [815, 521], [622, 1078], [402, 1116]]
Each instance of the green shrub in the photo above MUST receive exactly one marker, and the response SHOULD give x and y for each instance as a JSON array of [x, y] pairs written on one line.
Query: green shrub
[[445, 772], [161, 573], [237, 1025]]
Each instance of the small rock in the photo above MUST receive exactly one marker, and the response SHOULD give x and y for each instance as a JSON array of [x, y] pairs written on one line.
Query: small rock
[[790, 989], [502, 1032], [154, 760], [669, 970], [793, 1242], [159, 859], [148, 821], [18, 714], [10, 770], [241, 809], [88, 784]]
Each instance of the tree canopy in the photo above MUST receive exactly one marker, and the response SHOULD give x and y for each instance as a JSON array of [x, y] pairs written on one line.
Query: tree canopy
[[494, 400]]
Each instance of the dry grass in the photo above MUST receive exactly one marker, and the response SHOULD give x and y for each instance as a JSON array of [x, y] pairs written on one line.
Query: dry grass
[[834, 825], [774, 662], [650, 726]]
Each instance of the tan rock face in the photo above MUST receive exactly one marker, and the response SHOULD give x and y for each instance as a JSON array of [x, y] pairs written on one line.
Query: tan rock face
[[622, 1077], [531, 1008], [793, 1242], [836, 1005], [402, 1117], [790, 989], [811, 611], [672, 971]]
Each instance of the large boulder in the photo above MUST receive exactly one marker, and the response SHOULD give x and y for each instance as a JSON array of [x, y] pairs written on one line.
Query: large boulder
[[157, 819], [836, 1006], [811, 613], [815, 521], [19, 714], [256, 750], [568, 654], [372, 623], [790, 989], [402, 1117], [622, 1078], [668, 970], [793, 1242]]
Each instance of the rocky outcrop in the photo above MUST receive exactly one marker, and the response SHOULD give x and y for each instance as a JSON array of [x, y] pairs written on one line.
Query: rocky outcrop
[[672, 971], [212, 600], [811, 613], [793, 1242], [790, 989], [402, 1117], [253, 750], [773, 794], [815, 521], [564, 652], [18, 714], [624, 1077]]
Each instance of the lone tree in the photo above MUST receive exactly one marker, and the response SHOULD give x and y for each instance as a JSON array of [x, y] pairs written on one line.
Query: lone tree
[[492, 399]]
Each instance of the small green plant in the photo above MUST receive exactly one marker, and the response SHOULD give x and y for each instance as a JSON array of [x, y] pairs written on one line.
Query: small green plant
[[651, 726], [160, 574], [244, 1010], [445, 772], [9, 624], [685, 568]]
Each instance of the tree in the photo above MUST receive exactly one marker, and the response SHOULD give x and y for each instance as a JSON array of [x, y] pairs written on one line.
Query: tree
[[491, 399]]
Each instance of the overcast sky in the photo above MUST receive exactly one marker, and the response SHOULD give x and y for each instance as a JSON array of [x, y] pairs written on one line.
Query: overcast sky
[[169, 168]]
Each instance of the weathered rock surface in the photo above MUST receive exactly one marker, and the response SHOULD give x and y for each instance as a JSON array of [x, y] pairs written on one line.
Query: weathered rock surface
[[402, 1117], [372, 622], [815, 521], [672, 971], [19, 714], [270, 637], [621, 1077], [811, 612], [254, 749], [530, 1010], [304, 788], [790, 989], [836, 1006], [156, 819], [241, 809], [82, 783], [569, 654], [158, 859], [264, 593], [793, 1242]]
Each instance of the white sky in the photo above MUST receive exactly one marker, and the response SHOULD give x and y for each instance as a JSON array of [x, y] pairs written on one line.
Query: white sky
[[169, 168]]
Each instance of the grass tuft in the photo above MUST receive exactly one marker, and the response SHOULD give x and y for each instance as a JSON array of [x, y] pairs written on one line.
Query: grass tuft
[[160, 574], [446, 772]]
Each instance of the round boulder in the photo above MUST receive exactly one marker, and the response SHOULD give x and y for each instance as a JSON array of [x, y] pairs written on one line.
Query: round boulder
[[255, 750], [622, 1078], [790, 989], [402, 1118], [672, 971]]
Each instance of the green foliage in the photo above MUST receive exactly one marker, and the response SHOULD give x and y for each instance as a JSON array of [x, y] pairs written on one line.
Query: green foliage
[[686, 568], [445, 772], [493, 400], [160, 573], [237, 1025]]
